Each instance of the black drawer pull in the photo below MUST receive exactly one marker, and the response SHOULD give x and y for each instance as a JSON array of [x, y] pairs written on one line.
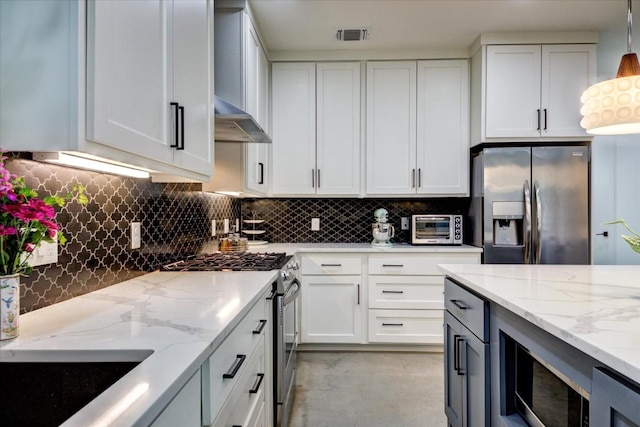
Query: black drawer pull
[[236, 366], [456, 354], [457, 304], [392, 324], [256, 386], [393, 292], [261, 327], [331, 265], [393, 265]]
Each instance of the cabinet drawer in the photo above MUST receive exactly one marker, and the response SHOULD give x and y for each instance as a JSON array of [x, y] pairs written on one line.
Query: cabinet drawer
[[406, 326], [247, 398], [418, 264], [471, 310], [230, 359], [331, 264], [406, 292]]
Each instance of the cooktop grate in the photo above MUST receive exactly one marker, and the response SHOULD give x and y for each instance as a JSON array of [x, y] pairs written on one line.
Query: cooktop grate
[[242, 261]]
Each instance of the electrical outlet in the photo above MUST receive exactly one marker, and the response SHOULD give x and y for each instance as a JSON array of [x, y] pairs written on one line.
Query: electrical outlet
[[237, 225], [315, 224], [213, 227], [404, 223], [226, 225], [135, 230], [46, 253]]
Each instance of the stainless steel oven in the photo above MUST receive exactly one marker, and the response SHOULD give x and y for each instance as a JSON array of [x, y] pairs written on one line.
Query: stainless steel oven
[[285, 341]]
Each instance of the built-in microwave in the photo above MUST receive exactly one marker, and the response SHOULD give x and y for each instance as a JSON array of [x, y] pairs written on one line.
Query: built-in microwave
[[544, 397], [436, 229]]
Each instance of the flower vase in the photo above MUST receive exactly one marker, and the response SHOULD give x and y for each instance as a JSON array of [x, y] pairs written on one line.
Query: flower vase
[[9, 306]]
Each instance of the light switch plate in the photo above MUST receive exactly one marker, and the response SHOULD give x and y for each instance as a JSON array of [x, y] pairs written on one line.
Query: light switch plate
[[315, 224], [46, 253], [404, 223], [226, 225], [213, 227]]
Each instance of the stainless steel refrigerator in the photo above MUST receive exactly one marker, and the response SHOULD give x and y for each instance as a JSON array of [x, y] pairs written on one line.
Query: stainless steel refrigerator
[[530, 204]]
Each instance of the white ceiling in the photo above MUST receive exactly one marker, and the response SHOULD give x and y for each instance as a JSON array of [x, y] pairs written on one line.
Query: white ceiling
[[422, 25]]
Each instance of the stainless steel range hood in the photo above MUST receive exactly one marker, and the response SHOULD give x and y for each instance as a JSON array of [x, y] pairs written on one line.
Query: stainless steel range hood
[[235, 125]]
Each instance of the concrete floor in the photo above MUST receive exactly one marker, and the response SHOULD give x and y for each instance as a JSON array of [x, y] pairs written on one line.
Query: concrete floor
[[345, 389]]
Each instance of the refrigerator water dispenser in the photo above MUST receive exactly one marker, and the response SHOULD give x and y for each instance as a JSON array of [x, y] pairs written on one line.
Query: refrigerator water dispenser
[[508, 220]]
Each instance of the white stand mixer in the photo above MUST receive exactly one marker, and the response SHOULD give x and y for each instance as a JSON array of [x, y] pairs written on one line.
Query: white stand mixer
[[382, 232]]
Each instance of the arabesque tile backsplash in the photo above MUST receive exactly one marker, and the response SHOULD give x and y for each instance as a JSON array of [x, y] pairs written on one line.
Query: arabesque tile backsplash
[[176, 221]]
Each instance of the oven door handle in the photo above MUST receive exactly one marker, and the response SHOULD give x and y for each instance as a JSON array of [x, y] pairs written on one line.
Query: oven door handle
[[291, 295]]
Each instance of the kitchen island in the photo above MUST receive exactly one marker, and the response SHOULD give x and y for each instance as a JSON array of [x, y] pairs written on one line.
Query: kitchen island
[[581, 320], [171, 322]]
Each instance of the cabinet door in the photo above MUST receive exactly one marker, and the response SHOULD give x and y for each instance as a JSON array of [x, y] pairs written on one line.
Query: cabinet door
[[391, 127], [453, 381], [192, 82], [332, 309], [567, 70], [443, 127], [257, 90], [512, 91], [294, 128], [338, 128], [614, 402], [127, 73], [184, 409]]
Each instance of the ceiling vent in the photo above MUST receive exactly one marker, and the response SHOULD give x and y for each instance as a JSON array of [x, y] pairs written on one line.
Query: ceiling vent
[[352, 34]]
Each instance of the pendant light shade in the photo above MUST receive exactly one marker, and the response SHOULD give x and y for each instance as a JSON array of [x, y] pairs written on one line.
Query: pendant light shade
[[612, 107]]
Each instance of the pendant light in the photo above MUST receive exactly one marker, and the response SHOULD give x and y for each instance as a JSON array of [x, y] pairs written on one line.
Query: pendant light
[[612, 107]]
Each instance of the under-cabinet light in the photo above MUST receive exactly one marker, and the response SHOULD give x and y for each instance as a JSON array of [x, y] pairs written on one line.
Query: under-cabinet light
[[86, 163]]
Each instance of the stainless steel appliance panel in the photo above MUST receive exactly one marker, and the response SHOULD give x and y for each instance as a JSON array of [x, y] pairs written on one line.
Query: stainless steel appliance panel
[[506, 181], [560, 204]]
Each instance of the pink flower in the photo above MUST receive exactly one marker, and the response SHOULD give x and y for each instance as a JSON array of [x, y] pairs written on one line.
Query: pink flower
[[7, 231], [33, 210], [52, 227], [29, 247]]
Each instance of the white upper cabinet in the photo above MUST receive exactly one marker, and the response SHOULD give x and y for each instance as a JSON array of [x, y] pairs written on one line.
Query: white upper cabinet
[[338, 128], [418, 128], [443, 127], [294, 127], [112, 70], [149, 79], [316, 128], [533, 91], [391, 127]]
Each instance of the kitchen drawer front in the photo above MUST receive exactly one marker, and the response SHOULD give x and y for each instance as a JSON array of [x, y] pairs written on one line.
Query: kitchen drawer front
[[232, 355], [471, 310], [406, 326], [406, 292], [418, 264], [333, 264], [248, 396]]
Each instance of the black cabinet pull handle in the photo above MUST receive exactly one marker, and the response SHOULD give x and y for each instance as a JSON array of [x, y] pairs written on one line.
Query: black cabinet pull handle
[[236, 366], [263, 322], [181, 109], [413, 178], [419, 177], [175, 106], [313, 178], [457, 304], [261, 181], [318, 180], [392, 324], [604, 234], [331, 265], [457, 339], [358, 293], [545, 119], [256, 386], [393, 265], [538, 128], [392, 292]]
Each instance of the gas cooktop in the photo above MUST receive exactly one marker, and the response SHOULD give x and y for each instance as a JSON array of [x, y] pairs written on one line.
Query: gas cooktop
[[236, 261]]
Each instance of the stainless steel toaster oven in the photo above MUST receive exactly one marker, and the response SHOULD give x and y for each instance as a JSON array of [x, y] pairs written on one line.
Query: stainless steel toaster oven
[[436, 229]]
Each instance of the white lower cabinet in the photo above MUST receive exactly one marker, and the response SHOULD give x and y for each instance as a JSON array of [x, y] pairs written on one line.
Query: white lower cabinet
[[184, 409], [405, 326], [333, 305]]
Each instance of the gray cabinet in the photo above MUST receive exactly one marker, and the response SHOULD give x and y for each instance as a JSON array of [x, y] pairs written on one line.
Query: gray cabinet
[[466, 361], [614, 402]]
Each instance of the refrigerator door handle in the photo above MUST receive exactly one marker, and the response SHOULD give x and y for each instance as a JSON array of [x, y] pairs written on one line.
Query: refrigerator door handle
[[538, 241], [527, 223]]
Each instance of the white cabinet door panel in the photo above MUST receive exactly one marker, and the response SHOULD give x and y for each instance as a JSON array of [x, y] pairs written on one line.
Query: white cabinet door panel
[[513, 91], [294, 130], [128, 70], [338, 133], [391, 127], [443, 127]]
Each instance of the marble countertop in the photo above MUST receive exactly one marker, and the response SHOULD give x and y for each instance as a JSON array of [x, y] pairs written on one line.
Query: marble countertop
[[174, 319], [594, 308], [291, 248]]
